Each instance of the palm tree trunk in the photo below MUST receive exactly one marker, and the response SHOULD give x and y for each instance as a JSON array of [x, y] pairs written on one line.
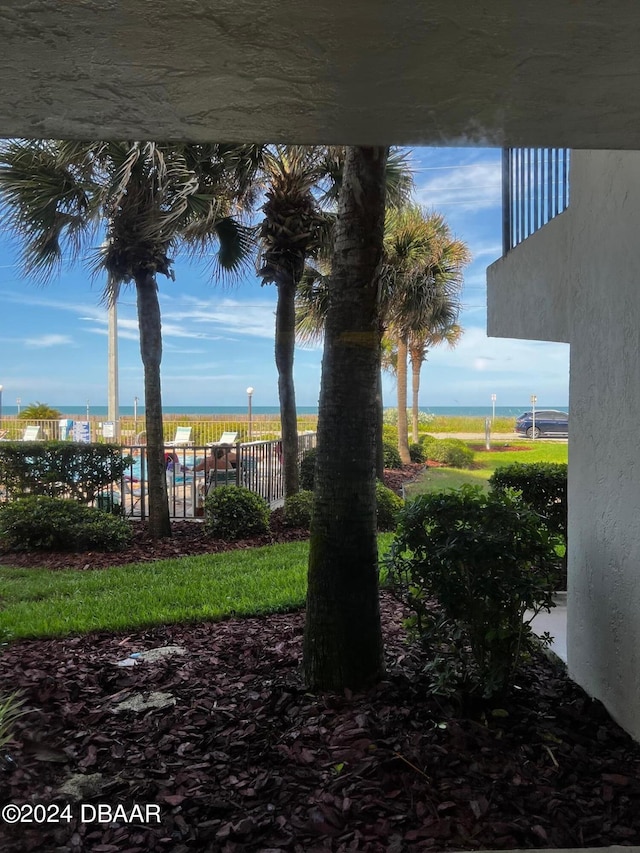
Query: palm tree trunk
[[416, 365], [379, 427], [343, 638], [284, 352], [403, 426], [150, 325]]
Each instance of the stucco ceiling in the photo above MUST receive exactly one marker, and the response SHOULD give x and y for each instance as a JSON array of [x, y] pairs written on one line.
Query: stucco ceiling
[[534, 72]]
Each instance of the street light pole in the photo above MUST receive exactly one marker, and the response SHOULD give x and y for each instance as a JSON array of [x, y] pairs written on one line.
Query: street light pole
[[493, 408], [0, 404], [135, 416], [534, 400], [18, 403], [249, 395]]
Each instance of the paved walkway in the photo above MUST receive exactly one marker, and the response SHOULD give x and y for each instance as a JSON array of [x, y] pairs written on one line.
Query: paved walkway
[[556, 624]]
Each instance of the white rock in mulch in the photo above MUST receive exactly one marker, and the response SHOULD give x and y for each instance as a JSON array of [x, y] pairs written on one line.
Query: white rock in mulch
[[152, 655], [83, 786], [140, 702]]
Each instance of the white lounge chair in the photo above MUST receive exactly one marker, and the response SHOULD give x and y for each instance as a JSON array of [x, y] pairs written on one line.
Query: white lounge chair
[[31, 433], [227, 438], [182, 437]]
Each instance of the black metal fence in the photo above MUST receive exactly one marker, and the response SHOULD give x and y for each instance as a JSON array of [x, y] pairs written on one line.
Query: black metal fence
[[535, 188], [257, 465]]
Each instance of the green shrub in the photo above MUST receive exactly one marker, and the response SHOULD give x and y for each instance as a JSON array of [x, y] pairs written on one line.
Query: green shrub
[[451, 452], [391, 455], [390, 434], [543, 486], [486, 559], [388, 505], [234, 512], [416, 452], [60, 524], [308, 470], [57, 468], [428, 441], [298, 509]]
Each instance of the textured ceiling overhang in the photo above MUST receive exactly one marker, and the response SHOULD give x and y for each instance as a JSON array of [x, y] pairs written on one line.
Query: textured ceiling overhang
[[534, 72]]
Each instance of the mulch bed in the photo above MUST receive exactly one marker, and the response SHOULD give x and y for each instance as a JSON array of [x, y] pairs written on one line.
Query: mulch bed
[[245, 759]]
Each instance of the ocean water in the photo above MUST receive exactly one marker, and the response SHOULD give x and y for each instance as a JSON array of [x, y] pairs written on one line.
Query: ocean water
[[127, 411]]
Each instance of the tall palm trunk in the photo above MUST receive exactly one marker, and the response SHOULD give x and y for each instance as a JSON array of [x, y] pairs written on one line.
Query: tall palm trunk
[[284, 352], [379, 426], [150, 325], [417, 357], [403, 426], [342, 638]]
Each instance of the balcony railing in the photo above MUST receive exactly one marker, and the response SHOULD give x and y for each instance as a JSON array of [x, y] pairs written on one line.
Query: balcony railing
[[535, 188]]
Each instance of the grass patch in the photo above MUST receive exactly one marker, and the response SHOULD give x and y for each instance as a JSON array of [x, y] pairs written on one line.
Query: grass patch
[[439, 479], [42, 603]]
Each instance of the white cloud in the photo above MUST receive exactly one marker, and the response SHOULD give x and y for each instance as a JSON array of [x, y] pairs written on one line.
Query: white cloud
[[50, 341], [469, 187], [226, 316]]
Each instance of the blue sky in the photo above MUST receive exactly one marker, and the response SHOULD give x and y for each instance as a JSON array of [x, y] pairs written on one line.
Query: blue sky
[[218, 339]]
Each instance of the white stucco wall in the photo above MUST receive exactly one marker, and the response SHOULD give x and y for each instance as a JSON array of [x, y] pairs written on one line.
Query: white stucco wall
[[537, 309], [596, 273]]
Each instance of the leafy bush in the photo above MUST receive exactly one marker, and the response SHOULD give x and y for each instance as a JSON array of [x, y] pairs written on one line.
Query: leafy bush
[[308, 469], [390, 434], [388, 505], [451, 452], [233, 512], [391, 456], [298, 509], [543, 486], [60, 524], [486, 559], [56, 468], [416, 452]]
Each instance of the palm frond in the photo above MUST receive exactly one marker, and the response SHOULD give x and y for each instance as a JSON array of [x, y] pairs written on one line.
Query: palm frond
[[312, 304], [47, 204]]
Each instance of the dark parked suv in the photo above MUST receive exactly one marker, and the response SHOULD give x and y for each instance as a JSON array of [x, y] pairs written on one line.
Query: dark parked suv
[[547, 422]]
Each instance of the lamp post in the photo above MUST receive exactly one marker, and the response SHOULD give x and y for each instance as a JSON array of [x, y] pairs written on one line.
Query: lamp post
[[18, 403], [534, 400], [135, 416], [493, 407], [249, 395], [0, 404]]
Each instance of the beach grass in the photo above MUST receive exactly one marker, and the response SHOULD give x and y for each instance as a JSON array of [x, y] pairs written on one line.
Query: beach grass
[[468, 424], [243, 582]]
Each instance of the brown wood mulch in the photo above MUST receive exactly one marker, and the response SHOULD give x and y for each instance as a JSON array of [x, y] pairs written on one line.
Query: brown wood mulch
[[245, 759]]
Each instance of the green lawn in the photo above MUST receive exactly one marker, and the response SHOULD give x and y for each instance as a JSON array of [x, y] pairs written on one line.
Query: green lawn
[[42, 603], [433, 479]]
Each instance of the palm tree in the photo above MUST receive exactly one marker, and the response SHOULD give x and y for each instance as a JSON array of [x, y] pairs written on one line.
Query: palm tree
[[302, 187], [422, 276], [294, 229], [58, 197], [420, 343], [420, 281], [342, 637]]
